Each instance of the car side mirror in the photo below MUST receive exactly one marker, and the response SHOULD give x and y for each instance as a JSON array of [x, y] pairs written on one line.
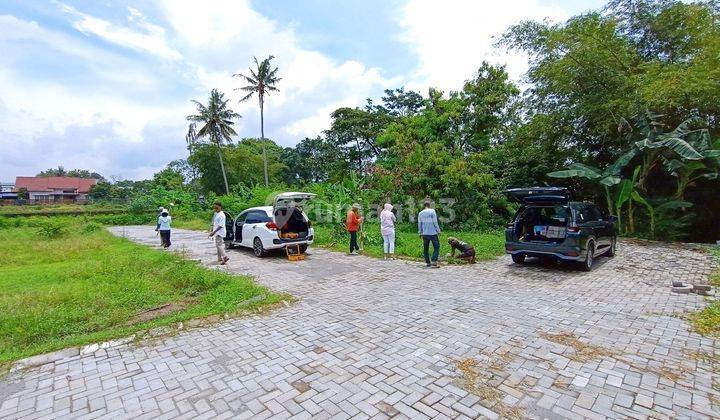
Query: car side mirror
[[612, 219]]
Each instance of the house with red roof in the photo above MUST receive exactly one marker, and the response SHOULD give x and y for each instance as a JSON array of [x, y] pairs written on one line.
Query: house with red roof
[[54, 189]]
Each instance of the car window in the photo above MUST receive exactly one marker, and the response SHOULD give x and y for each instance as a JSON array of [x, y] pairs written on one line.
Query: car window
[[241, 218], [595, 213], [588, 214], [257, 217]]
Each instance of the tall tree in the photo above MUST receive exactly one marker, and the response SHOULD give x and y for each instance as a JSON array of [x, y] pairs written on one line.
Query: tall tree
[[261, 81], [217, 119]]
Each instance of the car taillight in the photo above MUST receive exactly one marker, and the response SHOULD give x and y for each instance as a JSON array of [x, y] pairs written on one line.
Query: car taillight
[[271, 225], [573, 229]]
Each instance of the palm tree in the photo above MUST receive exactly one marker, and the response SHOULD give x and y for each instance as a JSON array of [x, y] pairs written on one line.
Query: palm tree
[[217, 120], [262, 81]]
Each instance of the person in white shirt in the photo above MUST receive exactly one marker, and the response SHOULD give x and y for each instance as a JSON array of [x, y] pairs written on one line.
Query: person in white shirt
[[218, 233], [163, 226], [387, 230]]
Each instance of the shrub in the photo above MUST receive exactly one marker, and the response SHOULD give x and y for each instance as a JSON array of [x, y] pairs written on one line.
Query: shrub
[[51, 228], [91, 227]]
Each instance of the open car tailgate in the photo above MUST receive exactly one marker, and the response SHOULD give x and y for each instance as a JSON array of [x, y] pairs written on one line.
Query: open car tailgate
[[558, 195], [292, 199]]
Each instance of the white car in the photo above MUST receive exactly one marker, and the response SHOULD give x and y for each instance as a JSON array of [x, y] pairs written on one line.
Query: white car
[[272, 227]]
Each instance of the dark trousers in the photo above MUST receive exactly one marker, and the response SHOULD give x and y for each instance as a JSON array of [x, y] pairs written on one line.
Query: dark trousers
[[426, 247], [165, 238], [353, 242]]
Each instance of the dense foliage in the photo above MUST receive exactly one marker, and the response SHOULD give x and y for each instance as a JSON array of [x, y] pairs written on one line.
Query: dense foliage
[[620, 106]]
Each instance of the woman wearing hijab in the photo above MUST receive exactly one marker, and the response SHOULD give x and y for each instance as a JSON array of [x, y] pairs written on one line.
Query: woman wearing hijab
[[387, 229]]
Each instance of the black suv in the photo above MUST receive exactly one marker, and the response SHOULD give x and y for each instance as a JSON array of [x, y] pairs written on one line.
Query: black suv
[[547, 224]]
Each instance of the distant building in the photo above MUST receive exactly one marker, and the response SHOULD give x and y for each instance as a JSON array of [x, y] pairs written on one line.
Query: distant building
[[6, 187], [54, 189], [6, 191]]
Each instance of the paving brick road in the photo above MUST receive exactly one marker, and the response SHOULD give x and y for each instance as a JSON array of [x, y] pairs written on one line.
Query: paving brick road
[[379, 339]]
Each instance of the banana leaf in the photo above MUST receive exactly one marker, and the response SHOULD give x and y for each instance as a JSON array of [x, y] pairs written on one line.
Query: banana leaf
[[673, 204], [681, 147], [609, 181], [621, 162], [623, 193]]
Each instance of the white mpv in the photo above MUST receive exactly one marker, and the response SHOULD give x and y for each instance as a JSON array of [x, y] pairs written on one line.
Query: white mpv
[[272, 227]]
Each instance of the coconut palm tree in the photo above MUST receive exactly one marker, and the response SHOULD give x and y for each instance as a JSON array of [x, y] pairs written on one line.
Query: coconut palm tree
[[261, 81], [217, 121]]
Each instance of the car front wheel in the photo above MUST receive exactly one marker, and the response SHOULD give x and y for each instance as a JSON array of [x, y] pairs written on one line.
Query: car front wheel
[[258, 248], [518, 258]]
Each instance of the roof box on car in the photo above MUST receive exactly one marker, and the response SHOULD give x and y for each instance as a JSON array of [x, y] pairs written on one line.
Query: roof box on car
[[539, 195]]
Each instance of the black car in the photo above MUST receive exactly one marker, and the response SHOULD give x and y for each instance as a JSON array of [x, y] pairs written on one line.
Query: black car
[[548, 224]]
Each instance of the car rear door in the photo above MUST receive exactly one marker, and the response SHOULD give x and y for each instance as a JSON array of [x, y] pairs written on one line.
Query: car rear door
[[254, 222], [591, 219]]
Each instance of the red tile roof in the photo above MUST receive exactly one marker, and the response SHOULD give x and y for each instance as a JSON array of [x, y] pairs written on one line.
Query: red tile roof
[[34, 183]]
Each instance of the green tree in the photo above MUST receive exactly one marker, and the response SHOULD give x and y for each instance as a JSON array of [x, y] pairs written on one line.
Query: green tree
[[261, 81], [217, 121], [596, 70], [59, 171], [169, 178]]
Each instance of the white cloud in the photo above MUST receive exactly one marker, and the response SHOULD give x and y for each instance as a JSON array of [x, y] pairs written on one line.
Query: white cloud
[[229, 33], [151, 40], [127, 115], [451, 38]]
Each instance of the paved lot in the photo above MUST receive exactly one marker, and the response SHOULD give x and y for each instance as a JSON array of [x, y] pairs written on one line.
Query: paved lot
[[372, 338]]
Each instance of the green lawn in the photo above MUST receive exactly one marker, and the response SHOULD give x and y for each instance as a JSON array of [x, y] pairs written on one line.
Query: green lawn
[[86, 285], [61, 208], [707, 320], [408, 243]]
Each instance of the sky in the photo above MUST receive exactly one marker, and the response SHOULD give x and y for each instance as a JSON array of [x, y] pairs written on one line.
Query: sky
[[106, 85]]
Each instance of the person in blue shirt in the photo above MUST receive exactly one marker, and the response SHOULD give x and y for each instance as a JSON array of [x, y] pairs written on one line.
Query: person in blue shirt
[[429, 230], [163, 226]]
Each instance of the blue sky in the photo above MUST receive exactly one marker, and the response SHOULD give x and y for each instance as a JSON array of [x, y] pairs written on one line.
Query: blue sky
[[106, 85]]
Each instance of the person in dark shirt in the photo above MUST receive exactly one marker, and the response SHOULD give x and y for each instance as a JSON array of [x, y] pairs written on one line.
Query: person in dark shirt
[[467, 251]]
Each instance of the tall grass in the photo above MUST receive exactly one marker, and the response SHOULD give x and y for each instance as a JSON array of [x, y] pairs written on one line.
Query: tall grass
[[88, 285]]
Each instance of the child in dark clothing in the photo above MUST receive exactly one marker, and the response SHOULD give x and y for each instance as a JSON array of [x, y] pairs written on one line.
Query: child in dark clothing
[[467, 251]]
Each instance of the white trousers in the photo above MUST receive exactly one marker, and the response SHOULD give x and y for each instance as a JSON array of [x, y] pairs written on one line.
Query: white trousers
[[389, 243]]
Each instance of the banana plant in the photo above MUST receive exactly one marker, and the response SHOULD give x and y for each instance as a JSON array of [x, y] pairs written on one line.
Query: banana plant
[[607, 178], [686, 153], [655, 211], [687, 172]]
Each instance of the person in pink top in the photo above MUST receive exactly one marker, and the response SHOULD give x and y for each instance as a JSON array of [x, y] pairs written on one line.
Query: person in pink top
[[387, 229]]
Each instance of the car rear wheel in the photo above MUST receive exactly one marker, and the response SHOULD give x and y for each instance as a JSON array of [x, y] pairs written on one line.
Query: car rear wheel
[[587, 265], [258, 248], [518, 258], [613, 248]]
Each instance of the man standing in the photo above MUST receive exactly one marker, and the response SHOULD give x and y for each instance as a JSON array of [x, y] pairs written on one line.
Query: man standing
[[352, 223], [218, 232], [161, 209], [429, 230]]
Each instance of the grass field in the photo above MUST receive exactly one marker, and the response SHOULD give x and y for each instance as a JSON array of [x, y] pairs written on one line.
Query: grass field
[[60, 208], [85, 285], [408, 243], [707, 320]]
